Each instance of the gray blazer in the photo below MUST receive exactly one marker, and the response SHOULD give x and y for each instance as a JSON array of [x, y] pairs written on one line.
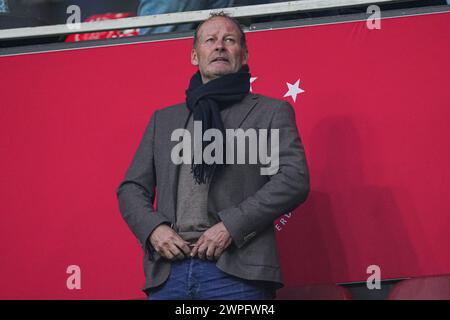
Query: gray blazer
[[246, 201]]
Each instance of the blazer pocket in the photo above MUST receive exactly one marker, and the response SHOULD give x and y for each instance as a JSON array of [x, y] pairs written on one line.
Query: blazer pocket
[[261, 250]]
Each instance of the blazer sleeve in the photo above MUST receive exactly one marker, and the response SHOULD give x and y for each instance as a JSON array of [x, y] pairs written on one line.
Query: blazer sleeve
[[136, 193], [284, 191]]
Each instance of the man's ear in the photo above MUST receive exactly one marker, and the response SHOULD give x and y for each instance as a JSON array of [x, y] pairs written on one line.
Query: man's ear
[[194, 57]]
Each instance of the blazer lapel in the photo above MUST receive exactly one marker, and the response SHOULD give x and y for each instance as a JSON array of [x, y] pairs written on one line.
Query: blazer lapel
[[239, 111]]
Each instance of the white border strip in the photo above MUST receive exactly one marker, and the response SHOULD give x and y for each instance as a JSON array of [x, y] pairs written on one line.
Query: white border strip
[[180, 17]]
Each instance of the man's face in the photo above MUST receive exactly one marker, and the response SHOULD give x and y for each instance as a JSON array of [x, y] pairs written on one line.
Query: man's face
[[219, 49]]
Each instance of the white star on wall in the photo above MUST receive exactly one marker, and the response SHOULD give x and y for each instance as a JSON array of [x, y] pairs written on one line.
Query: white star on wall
[[294, 90], [252, 79]]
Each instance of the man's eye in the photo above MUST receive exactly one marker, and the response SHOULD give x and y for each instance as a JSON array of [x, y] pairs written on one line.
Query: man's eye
[[229, 39]]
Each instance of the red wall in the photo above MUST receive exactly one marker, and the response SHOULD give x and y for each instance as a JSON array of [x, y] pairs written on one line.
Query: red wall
[[374, 118]]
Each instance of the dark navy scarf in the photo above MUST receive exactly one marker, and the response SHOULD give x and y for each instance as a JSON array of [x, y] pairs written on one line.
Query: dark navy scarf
[[207, 100]]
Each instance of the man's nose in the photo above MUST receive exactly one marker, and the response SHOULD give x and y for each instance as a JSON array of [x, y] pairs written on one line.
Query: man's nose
[[219, 45]]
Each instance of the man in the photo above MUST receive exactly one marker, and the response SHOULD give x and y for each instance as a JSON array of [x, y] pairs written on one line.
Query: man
[[212, 235]]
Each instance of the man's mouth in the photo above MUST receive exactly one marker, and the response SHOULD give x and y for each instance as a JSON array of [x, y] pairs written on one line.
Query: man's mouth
[[220, 59]]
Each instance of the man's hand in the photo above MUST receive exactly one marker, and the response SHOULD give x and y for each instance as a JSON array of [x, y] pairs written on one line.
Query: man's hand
[[212, 242], [168, 243]]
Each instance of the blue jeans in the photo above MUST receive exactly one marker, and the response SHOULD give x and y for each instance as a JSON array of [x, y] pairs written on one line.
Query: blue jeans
[[151, 7], [197, 279]]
